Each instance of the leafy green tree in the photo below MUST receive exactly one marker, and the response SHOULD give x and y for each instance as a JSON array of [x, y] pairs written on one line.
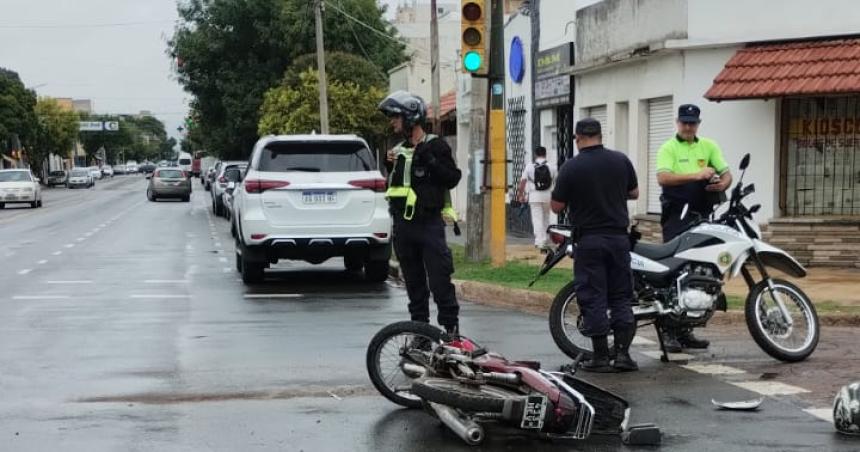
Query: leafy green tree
[[230, 52], [295, 109], [340, 66], [17, 114], [56, 132]]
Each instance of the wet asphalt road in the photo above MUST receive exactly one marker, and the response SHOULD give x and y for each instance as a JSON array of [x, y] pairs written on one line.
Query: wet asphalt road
[[124, 327]]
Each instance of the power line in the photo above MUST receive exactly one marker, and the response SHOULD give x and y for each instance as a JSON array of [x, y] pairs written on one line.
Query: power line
[[75, 26], [358, 41], [369, 27]]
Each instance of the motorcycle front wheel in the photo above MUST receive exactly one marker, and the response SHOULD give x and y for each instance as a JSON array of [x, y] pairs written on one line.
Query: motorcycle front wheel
[[785, 342], [398, 355]]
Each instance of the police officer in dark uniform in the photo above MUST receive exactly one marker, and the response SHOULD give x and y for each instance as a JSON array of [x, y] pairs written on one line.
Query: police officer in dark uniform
[[422, 171], [594, 186]]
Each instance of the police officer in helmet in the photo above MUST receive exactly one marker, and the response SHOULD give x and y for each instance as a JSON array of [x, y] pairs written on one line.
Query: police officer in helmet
[[594, 186], [421, 173]]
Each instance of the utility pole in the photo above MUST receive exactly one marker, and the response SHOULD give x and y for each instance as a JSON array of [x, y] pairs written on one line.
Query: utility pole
[[497, 156], [323, 83], [434, 66]]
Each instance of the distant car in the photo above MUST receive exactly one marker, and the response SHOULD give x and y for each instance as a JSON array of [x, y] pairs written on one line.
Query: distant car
[[80, 177], [19, 186], [107, 171], [208, 177], [169, 183], [131, 167], [119, 169], [229, 172], [57, 178], [95, 172], [146, 168], [184, 162], [227, 200]]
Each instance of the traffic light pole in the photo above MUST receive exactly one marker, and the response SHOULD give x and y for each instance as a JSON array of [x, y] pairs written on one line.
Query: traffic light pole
[[497, 155]]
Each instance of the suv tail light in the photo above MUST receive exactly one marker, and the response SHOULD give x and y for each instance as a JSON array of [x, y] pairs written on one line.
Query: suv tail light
[[377, 185], [259, 186]]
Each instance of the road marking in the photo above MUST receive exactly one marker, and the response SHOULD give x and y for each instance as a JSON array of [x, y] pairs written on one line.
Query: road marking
[[226, 270], [88, 234], [42, 262], [825, 414], [103, 225], [639, 340], [41, 297], [70, 245], [10, 254], [163, 296], [273, 295], [57, 253], [769, 388], [70, 282], [672, 356], [222, 259], [713, 369], [25, 271], [80, 239], [166, 281]]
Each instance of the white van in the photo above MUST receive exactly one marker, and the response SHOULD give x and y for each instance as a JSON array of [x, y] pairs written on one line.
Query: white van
[[184, 163]]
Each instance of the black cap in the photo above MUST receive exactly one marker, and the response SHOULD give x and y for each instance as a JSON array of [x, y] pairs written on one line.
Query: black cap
[[689, 113], [587, 127]]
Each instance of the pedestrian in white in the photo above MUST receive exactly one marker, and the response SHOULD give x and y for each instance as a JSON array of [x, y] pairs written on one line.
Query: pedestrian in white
[[535, 187]]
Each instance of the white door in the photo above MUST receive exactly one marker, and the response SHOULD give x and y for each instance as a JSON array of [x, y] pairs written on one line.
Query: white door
[[661, 127], [598, 113]]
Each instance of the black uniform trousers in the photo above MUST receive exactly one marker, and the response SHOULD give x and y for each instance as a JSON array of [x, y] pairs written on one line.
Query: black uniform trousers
[[603, 282], [424, 257]]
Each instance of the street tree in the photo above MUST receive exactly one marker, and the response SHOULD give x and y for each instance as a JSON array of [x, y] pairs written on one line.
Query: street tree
[[17, 115], [56, 132], [294, 109], [228, 53]]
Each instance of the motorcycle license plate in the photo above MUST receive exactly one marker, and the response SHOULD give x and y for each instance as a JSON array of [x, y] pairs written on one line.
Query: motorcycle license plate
[[533, 413]]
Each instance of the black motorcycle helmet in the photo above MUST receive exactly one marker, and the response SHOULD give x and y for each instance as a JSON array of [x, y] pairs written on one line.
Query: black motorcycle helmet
[[409, 106], [846, 410]]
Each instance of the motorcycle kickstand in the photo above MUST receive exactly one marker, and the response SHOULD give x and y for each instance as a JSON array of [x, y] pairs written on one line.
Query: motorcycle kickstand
[[664, 357]]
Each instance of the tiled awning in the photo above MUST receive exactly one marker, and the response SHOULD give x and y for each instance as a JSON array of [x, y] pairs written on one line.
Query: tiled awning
[[788, 69], [447, 104]]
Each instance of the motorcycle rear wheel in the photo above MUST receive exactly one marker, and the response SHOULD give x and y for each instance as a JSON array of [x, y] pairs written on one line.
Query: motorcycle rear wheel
[[393, 346], [480, 399], [565, 321]]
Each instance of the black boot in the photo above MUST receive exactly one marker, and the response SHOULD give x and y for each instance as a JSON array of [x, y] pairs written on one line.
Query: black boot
[[670, 340], [688, 340], [623, 339], [599, 361]]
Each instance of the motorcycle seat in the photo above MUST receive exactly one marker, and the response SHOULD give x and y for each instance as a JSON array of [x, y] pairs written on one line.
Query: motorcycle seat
[[656, 252]]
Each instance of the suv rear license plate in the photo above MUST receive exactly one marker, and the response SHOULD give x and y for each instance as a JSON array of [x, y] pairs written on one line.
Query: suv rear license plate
[[533, 413], [319, 197]]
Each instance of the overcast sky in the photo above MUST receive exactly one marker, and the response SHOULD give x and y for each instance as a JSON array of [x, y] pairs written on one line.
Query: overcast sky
[[110, 51]]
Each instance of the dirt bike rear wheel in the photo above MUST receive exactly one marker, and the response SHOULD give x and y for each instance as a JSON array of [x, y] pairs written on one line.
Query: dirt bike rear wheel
[[445, 391], [390, 349]]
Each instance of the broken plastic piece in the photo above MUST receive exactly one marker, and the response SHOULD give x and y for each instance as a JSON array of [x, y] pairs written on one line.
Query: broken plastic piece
[[744, 405], [642, 435]]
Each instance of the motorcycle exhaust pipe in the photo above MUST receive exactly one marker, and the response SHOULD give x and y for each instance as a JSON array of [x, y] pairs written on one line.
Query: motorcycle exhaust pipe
[[467, 429]]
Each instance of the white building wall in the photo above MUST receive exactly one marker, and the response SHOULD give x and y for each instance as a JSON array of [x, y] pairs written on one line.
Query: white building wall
[[760, 20], [519, 26]]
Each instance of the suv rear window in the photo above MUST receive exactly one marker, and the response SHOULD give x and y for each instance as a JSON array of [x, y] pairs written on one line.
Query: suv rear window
[[170, 174], [316, 156], [184, 161]]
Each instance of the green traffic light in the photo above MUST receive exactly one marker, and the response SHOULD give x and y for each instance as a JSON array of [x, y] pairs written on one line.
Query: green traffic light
[[472, 61]]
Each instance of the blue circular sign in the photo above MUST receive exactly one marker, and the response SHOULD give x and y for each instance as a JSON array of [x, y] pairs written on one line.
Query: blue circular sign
[[516, 61]]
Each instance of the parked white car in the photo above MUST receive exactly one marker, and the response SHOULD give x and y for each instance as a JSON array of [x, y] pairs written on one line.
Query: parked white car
[[131, 167], [311, 198], [19, 186], [95, 172], [107, 171]]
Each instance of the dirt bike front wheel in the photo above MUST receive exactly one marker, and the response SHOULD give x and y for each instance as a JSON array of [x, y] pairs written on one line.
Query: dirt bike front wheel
[[397, 355]]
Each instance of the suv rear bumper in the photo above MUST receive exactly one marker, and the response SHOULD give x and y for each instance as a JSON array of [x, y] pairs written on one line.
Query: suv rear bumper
[[318, 249]]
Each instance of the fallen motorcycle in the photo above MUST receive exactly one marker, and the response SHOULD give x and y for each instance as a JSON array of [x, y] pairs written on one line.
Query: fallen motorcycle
[[417, 365]]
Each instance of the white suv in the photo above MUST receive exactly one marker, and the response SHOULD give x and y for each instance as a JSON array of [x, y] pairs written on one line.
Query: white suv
[[311, 198]]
